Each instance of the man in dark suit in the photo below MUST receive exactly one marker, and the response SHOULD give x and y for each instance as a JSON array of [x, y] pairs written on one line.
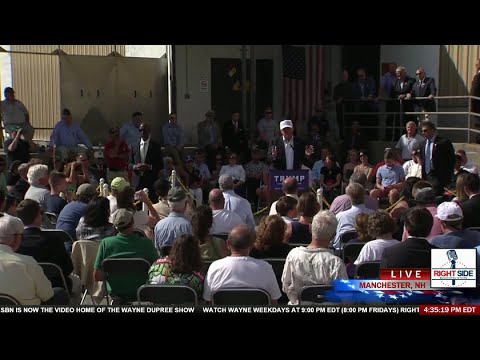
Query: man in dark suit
[[438, 158], [235, 137], [43, 246], [415, 251], [401, 87], [475, 91], [471, 207], [289, 152], [146, 161], [423, 87]]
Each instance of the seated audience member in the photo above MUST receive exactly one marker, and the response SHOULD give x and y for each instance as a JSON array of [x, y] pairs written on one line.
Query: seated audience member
[[183, 266], [58, 185], [389, 177], [381, 226], [373, 174], [20, 275], [466, 164], [239, 270], [471, 207], [454, 236], [349, 167], [211, 247], [117, 185], [13, 176], [425, 197], [460, 194], [237, 172], [38, 180], [364, 167], [70, 215], [413, 168], [94, 224], [45, 246], [415, 251], [117, 153], [399, 206], [342, 202], [289, 188], [194, 180], [22, 185], [314, 264], [223, 220], [142, 220], [330, 179], [235, 203], [361, 227], [162, 187], [125, 244], [307, 208], [457, 171], [98, 170], [346, 219], [269, 242], [77, 172], [287, 209], [10, 204], [254, 172], [175, 224]]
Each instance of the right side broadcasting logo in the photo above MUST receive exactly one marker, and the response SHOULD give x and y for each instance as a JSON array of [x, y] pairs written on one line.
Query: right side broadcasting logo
[[454, 268]]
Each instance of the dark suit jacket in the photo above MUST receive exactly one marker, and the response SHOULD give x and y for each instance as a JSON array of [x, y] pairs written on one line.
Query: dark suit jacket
[[471, 212], [280, 163], [235, 141], [424, 89], [154, 158], [475, 91], [411, 253], [443, 160], [369, 89], [46, 247], [407, 87]]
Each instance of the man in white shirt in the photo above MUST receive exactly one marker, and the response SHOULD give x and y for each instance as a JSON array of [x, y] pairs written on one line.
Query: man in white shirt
[[239, 270], [413, 168], [223, 220], [409, 141], [467, 165], [346, 219], [237, 172], [314, 264], [235, 203]]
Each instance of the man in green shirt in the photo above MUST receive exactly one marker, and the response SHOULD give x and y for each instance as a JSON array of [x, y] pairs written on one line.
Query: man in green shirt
[[125, 244]]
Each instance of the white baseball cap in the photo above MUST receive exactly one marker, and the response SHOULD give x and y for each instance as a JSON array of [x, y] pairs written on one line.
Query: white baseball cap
[[98, 155], [449, 211], [286, 124]]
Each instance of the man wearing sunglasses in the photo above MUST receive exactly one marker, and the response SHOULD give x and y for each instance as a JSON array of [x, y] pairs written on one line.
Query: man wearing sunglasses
[[423, 87]]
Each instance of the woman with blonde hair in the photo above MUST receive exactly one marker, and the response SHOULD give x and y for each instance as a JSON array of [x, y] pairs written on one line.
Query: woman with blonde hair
[[269, 242]]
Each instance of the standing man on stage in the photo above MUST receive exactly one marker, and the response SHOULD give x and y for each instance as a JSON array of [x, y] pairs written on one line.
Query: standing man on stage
[[289, 152], [16, 115]]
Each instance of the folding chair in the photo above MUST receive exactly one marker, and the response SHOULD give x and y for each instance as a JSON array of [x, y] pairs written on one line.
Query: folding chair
[[277, 265], [220, 236], [66, 238], [167, 295], [241, 296], [53, 271], [52, 217], [117, 270], [206, 265], [8, 300], [313, 294], [139, 232], [351, 252], [368, 270], [347, 236]]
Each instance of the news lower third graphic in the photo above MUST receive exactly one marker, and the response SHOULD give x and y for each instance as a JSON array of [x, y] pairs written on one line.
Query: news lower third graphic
[[453, 268]]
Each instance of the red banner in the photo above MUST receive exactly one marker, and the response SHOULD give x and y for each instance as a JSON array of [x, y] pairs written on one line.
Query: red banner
[[405, 274]]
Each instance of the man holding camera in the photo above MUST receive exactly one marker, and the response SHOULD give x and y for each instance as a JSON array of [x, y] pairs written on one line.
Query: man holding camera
[[19, 147]]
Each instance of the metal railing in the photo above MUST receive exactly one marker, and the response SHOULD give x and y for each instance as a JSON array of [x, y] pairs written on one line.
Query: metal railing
[[398, 117]]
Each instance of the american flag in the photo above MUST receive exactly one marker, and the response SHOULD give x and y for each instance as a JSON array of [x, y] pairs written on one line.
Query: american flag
[[302, 81]]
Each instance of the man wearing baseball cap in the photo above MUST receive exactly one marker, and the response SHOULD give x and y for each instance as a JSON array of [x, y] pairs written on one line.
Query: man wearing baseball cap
[[289, 152], [126, 244], [117, 186], [15, 115], [454, 236]]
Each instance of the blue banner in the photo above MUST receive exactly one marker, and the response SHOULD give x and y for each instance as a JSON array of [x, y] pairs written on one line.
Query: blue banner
[[277, 177]]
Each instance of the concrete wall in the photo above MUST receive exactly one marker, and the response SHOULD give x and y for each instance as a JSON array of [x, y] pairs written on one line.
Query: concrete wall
[[193, 64], [413, 56]]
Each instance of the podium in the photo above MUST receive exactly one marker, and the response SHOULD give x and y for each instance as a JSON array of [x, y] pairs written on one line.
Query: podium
[[277, 177]]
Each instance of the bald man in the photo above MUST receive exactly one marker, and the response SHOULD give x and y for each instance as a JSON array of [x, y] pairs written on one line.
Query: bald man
[[290, 188], [223, 220]]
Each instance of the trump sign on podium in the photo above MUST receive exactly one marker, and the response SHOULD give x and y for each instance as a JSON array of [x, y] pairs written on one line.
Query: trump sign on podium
[[277, 177]]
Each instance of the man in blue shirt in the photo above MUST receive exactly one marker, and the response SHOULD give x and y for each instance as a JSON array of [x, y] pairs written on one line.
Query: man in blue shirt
[[67, 136], [130, 131], [173, 139]]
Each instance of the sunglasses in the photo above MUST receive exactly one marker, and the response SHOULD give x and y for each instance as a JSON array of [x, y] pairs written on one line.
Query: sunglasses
[[418, 73]]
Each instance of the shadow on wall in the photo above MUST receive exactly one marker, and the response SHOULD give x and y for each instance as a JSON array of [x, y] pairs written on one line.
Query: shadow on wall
[[95, 126]]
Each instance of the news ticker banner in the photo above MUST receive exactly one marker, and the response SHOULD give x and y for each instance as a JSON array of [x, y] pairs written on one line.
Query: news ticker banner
[[239, 310], [277, 177]]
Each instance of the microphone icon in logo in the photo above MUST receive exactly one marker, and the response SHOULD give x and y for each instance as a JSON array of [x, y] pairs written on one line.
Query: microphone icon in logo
[[452, 257]]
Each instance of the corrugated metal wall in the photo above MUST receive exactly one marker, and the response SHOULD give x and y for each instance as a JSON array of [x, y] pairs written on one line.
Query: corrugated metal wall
[[36, 81], [457, 69]]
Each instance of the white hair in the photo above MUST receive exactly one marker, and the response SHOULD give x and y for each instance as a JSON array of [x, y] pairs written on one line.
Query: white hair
[[9, 226], [37, 172], [178, 206], [324, 225]]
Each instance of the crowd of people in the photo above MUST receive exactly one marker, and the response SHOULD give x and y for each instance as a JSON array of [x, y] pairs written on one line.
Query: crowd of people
[[175, 209]]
